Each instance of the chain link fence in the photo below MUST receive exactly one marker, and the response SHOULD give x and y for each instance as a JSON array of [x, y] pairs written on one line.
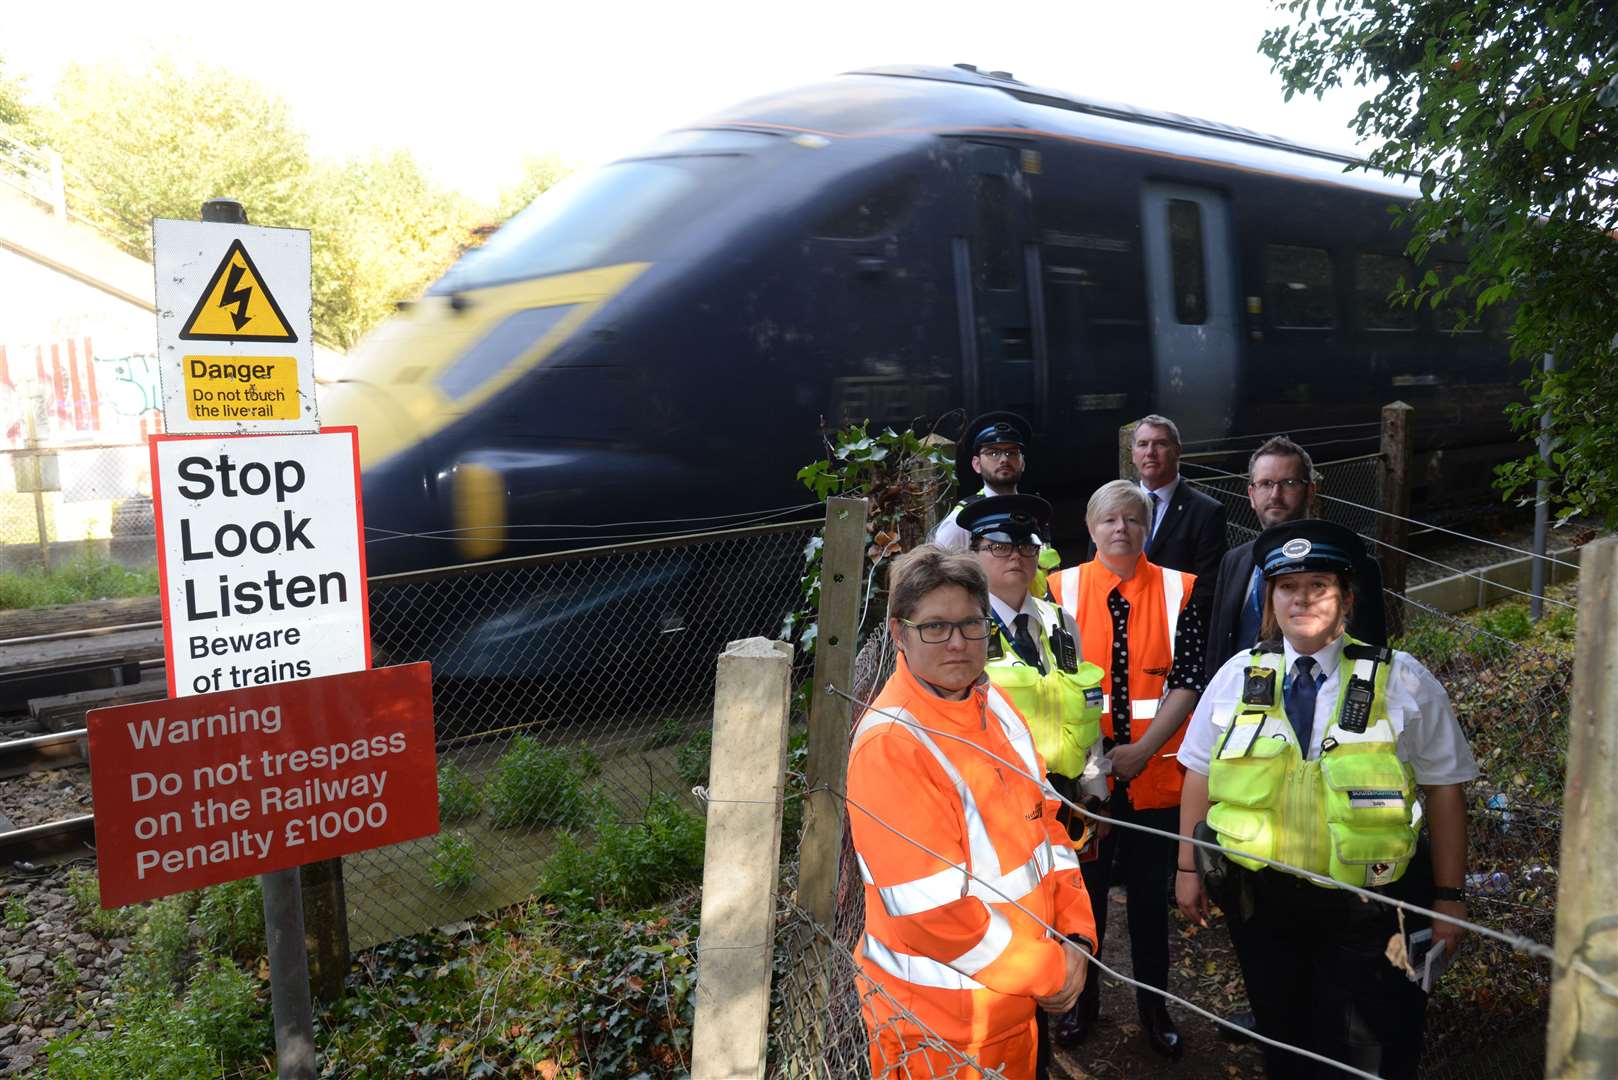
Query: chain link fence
[[565, 688], [62, 503], [1350, 483]]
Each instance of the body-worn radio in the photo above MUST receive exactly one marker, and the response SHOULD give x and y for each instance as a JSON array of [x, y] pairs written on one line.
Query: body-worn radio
[[1357, 705], [1065, 649]]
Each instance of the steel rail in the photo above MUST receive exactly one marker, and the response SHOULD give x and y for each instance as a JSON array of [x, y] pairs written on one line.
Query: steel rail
[[33, 842], [37, 753]]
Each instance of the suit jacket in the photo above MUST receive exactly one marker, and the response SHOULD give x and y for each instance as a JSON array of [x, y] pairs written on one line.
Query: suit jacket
[[1369, 623], [1191, 538]]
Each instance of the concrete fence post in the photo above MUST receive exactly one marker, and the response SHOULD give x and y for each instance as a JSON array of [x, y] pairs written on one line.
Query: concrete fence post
[[1393, 499], [1126, 452], [747, 777], [1582, 1037]]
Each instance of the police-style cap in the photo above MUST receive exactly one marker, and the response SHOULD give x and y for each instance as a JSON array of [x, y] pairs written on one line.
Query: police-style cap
[[1296, 546], [989, 429], [1011, 519]]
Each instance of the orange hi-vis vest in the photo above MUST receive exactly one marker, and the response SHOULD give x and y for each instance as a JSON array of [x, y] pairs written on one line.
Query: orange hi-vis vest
[[947, 947], [1157, 596]]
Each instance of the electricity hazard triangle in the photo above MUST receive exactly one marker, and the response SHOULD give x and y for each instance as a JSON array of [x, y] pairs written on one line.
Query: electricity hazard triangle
[[237, 305]]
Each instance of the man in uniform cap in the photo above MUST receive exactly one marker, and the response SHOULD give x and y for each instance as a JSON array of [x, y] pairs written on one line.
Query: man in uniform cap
[[991, 447]]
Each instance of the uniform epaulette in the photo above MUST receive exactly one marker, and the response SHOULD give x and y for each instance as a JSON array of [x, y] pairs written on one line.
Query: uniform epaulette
[[1268, 646], [1379, 653]]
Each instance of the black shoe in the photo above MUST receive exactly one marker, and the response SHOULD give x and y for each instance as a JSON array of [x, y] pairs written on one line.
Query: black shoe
[[1244, 1020], [1161, 1034], [1075, 1025]]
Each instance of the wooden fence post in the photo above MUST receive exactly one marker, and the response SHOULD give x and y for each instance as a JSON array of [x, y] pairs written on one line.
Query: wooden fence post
[[831, 716], [747, 778], [1393, 498], [1126, 452], [1580, 1039]]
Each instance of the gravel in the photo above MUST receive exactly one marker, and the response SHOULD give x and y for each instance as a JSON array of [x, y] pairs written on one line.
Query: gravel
[[46, 796]]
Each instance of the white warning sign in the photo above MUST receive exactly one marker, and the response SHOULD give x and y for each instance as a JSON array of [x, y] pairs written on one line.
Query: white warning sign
[[261, 555], [233, 328]]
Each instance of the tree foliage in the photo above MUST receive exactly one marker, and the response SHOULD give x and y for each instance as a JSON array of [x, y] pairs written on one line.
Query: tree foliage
[[539, 174], [1508, 114], [158, 142]]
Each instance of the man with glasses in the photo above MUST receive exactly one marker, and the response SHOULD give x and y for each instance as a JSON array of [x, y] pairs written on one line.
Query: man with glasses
[[1280, 487], [990, 449]]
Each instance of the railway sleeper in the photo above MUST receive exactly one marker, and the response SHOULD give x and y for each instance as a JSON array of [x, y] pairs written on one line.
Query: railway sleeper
[[65, 712]]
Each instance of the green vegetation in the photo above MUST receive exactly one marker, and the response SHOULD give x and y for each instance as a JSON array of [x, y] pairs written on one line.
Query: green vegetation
[[85, 890], [627, 864], [9, 995], [455, 863], [157, 957], [230, 919], [1504, 109], [87, 577], [64, 981], [692, 760], [16, 912], [458, 798], [532, 785], [539, 991]]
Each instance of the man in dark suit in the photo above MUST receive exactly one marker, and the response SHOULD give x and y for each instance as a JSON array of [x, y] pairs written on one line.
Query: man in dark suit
[[1281, 485], [1188, 527]]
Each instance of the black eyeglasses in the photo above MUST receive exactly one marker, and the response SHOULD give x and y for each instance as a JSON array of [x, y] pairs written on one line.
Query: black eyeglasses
[[938, 632], [995, 453], [1002, 550]]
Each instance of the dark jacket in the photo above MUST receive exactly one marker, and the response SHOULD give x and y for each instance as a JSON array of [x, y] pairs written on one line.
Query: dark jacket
[[1191, 538], [1369, 623]]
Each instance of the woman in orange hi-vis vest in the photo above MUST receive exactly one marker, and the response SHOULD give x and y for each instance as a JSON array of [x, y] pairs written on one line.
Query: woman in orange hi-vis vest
[[953, 845], [1136, 624]]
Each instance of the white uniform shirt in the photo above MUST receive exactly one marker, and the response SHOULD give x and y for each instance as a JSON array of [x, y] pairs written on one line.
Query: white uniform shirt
[[1429, 737], [1093, 780], [951, 536], [1160, 503]]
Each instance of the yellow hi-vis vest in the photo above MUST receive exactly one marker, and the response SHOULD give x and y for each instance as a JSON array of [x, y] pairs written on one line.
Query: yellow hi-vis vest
[[1350, 813], [1062, 706]]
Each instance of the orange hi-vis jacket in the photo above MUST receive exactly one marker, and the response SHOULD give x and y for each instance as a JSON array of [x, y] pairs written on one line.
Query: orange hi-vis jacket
[[1157, 596], [947, 947]]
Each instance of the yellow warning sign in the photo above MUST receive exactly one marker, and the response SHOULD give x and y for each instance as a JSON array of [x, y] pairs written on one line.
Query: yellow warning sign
[[236, 306], [241, 388]]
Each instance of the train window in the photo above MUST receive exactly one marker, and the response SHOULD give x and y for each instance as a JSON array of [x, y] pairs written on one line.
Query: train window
[[875, 213], [1460, 305], [1376, 278], [1186, 259], [592, 219], [996, 252], [1298, 287]]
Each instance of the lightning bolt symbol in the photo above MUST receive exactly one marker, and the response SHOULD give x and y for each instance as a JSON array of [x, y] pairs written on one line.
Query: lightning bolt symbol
[[237, 297]]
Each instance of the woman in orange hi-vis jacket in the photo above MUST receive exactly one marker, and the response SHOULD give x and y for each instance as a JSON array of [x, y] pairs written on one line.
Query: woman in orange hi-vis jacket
[[947, 837], [1136, 623]]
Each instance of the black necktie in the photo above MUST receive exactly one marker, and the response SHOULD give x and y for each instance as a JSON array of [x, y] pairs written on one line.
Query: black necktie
[[1023, 641], [1301, 691]]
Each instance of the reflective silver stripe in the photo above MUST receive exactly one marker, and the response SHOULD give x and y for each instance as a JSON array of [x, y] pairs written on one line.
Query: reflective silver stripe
[[1070, 591], [923, 894], [1143, 710], [980, 849], [1017, 733], [1017, 884], [1106, 704], [918, 970], [865, 871], [1066, 859], [1173, 597], [996, 936]]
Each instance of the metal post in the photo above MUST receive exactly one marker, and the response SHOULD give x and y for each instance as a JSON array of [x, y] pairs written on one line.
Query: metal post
[[36, 463], [1393, 497], [1579, 1039], [283, 893], [1542, 508]]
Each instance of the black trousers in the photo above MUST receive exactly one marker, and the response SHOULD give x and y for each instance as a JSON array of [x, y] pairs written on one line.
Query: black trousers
[[1144, 864], [1317, 976]]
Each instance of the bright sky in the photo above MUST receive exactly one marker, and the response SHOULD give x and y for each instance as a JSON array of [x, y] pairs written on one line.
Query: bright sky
[[471, 87]]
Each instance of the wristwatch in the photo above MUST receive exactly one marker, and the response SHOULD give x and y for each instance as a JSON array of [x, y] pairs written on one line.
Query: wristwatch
[[1448, 892]]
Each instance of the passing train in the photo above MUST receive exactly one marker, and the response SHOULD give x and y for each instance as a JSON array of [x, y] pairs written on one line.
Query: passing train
[[659, 340]]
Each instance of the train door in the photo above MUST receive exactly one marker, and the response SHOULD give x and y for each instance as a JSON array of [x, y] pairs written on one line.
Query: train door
[[1002, 353], [1191, 292]]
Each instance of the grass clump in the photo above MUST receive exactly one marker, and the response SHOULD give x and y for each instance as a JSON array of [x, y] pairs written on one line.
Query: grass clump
[[157, 957], [533, 785], [230, 919], [455, 863], [16, 912], [458, 797], [87, 577], [692, 760], [628, 864], [85, 890]]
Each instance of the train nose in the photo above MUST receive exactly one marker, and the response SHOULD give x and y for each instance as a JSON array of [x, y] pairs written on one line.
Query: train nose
[[370, 408]]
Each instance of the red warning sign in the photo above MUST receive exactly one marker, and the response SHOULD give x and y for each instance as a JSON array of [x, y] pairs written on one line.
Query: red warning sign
[[199, 790]]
